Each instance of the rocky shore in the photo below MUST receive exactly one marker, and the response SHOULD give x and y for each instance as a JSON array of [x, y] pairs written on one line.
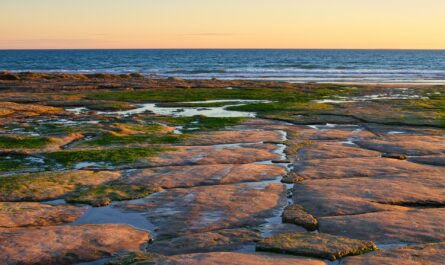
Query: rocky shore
[[105, 169]]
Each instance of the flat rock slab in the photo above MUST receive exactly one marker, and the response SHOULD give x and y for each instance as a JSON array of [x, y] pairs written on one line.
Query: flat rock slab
[[50, 185], [389, 227], [337, 132], [363, 167], [210, 155], [315, 245], [67, 244], [412, 145], [20, 214], [214, 241], [231, 137], [179, 211], [190, 176], [432, 254], [326, 197], [329, 150], [231, 258]]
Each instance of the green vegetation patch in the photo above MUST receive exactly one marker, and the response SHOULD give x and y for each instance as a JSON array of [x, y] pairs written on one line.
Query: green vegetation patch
[[132, 258], [105, 194], [142, 128], [200, 123], [110, 139], [110, 106], [283, 106], [196, 105], [115, 156], [49, 185], [202, 94], [23, 142]]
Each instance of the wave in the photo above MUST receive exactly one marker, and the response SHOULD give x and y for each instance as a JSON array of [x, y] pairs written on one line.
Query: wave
[[199, 71]]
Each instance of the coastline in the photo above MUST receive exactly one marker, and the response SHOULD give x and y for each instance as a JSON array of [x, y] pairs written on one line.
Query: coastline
[[172, 82], [186, 167]]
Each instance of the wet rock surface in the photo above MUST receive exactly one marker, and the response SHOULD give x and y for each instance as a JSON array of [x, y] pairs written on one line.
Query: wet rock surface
[[433, 254], [230, 137], [375, 167], [390, 227], [213, 258], [205, 155], [214, 241], [67, 244], [179, 211], [201, 175]]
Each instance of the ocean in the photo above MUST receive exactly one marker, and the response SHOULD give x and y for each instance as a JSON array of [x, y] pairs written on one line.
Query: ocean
[[338, 66]]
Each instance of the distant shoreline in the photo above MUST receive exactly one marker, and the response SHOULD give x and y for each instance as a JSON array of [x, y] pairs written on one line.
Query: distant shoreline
[[141, 81]]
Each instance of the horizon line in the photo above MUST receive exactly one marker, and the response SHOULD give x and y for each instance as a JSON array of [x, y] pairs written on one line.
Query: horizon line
[[357, 49]]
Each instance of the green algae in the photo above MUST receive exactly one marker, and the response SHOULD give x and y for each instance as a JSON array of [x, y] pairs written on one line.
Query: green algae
[[105, 194], [200, 123], [110, 139], [114, 156], [10, 142], [202, 94], [132, 258], [316, 245], [49, 185]]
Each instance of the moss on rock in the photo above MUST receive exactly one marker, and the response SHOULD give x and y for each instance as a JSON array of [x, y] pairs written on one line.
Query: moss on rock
[[103, 195], [315, 245]]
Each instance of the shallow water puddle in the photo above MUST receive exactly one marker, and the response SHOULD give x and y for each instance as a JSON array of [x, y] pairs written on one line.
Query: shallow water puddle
[[216, 112], [114, 215], [404, 93]]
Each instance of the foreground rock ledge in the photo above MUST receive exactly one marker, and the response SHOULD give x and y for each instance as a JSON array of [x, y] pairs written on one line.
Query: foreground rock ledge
[[19, 214], [67, 244], [432, 254], [214, 258], [315, 245]]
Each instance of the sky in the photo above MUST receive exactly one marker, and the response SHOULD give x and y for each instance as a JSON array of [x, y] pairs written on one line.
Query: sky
[[356, 24]]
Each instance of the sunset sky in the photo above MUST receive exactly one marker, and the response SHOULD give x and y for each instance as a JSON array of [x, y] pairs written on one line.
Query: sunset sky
[[398, 24]]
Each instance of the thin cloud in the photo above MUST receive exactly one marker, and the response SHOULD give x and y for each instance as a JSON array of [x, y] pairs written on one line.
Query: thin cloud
[[210, 34]]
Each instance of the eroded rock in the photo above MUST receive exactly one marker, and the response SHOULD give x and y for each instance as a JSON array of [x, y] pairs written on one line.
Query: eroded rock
[[326, 197], [295, 214], [431, 254], [412, 145], [230, 137], [189, 176], [214, 258], [67, 244], [363, 167], [200, 209], [329, 150], [315, 245], [210, 155], [220, 240], [20, 214], [50, 185], [389, 227]]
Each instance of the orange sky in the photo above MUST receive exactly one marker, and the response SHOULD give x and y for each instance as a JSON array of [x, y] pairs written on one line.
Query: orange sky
[[396, 24]]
